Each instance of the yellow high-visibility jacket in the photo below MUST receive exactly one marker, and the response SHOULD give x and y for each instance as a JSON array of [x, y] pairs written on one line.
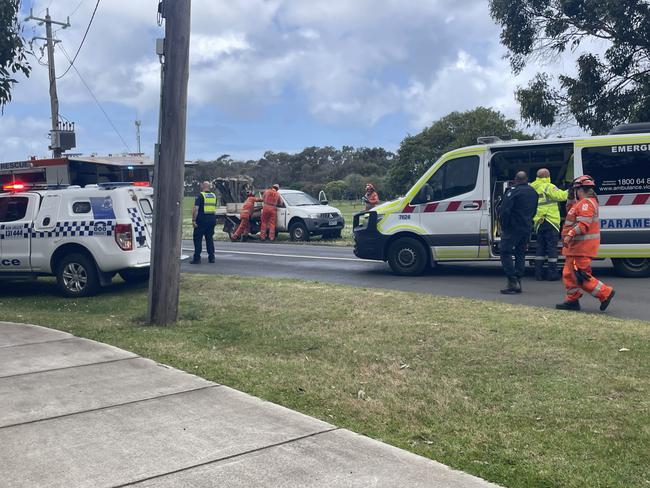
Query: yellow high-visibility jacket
[[547, 207]]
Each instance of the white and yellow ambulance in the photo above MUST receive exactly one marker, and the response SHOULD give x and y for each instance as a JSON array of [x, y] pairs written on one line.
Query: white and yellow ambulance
[[451, 213]]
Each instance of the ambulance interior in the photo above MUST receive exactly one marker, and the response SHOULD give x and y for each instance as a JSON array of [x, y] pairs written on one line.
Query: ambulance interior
[[506, 162]]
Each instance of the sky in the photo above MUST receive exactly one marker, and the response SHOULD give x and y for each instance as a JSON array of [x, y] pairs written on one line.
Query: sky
[[275, 75]]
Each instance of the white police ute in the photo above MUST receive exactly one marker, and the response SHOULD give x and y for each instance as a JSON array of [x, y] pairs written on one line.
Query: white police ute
[[82, 236]]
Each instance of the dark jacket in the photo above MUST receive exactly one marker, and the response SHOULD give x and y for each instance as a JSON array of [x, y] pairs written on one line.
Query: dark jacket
[[518, 208]]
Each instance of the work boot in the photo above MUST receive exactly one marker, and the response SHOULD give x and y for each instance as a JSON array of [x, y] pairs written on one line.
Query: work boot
[[570, 305], [605, 303], [211, 260], [552, 273], [512, 288], [539, 270]]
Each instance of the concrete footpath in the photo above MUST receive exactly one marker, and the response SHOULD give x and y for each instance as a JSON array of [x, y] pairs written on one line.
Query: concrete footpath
[[78, 413]]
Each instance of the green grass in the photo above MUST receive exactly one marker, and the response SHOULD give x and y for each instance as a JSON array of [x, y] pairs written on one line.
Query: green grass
[[348, 209], [521, 396]]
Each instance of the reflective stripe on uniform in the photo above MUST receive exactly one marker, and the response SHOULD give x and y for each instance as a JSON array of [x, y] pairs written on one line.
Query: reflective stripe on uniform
[[571, 291], [540, 258], [552, 260], [596, 291], [586, 237], [585, 219]]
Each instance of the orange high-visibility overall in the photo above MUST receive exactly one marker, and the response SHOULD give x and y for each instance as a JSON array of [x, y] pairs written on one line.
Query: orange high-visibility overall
[[582, 226], [244, 227], [271, 199]]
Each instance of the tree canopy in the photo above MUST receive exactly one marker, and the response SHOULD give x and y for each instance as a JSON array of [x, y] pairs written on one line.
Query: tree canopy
[[608, 89], [13, 52], [458, 129]]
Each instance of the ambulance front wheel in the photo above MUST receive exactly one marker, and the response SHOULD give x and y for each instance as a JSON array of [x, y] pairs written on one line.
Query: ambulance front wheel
[[632, 267], [76, 276], [407, 257]]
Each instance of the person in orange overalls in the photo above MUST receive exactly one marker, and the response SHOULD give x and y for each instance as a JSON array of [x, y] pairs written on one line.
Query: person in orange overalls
[[272, 201], [371, 198], [581, 239], [244, 228]]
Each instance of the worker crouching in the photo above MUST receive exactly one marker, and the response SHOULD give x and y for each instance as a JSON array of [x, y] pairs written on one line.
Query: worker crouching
[[244, 228], [581, 240]]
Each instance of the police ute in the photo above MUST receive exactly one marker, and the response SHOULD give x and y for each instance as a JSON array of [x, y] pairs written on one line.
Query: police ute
[[452, 211], [82, 236]]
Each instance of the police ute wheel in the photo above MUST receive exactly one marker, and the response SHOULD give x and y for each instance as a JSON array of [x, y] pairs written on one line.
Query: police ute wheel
[[139, 275], [299, 232], [407, 257], [76, 276], [632, 267]]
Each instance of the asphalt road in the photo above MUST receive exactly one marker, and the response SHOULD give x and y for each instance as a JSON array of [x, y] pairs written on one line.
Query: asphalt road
[[472, 280]]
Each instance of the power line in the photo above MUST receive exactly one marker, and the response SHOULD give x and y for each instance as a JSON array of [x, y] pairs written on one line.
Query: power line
[[128, 149], [77, 8], [82, 41]]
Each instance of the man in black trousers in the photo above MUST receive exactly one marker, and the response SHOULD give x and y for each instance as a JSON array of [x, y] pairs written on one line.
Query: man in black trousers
[[518, 208], [204, 220]]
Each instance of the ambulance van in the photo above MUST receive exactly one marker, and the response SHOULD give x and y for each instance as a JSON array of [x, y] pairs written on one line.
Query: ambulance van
[[452, 212]]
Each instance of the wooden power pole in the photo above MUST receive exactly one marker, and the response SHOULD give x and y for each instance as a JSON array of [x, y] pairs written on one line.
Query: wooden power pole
[[164, 283]]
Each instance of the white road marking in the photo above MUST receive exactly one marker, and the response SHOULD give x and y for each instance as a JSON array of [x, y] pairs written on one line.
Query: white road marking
[[299, 256]]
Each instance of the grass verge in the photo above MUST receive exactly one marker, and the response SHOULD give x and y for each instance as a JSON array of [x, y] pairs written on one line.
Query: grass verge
[[521, 396]]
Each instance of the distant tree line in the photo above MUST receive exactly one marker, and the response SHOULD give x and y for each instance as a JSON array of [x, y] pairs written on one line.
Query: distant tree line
[[343, 173]]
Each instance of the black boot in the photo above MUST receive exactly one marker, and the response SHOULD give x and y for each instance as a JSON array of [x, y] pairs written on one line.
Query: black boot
[[539, 270], [552, 273], [572, 305], [512, 288], [604, 304], [519, 288]]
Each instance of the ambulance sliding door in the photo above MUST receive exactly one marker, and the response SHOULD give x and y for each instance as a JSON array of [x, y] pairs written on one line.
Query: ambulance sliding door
[[450, 206]]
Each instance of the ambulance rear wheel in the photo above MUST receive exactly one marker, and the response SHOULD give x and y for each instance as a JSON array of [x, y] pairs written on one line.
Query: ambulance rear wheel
[[407, 257], [76, 276], [632, 267]]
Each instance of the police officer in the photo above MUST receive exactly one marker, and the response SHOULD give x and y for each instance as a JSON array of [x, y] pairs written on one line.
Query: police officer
[[204, 219], [517, 211]]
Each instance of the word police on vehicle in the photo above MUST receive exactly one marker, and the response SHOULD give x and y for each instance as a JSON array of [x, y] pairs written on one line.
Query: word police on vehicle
[[82, 236]]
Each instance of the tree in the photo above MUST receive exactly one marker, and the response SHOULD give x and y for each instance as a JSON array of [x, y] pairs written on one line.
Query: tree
[[608, 89], [335, 190], [13, 52], [457, 129]]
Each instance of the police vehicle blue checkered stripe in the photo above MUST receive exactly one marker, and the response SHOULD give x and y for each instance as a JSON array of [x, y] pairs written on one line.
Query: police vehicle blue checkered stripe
[[77, 229], [138, 226]]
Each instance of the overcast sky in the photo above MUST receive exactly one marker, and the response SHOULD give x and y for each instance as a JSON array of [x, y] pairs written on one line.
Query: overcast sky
[[269, 74]]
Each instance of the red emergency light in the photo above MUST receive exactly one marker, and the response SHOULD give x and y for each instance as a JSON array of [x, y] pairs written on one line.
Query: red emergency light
[[140, 183], [14, 187]]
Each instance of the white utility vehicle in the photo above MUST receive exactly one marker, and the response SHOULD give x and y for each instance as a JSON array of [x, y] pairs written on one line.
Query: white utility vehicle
[[300, 214], [83, 236], [451, 213]]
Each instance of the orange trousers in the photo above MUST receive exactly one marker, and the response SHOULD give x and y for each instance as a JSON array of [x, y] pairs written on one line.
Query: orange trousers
[[269, 219], [574, 285], [243, 229]]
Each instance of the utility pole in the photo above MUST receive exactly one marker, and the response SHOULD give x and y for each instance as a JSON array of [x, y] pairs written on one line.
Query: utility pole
[[164, 283], [138, 123], [55, 143]]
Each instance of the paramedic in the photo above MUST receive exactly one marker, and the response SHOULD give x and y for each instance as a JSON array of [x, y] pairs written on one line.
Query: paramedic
[[204, 219], [517, 211], [581, 240], [547, 225]]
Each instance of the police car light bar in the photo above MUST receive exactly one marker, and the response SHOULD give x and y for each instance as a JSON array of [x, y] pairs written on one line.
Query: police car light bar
[[14, 187]]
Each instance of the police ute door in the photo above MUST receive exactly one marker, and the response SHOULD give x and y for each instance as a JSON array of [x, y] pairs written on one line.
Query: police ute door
[[16, 213], [450, 206]]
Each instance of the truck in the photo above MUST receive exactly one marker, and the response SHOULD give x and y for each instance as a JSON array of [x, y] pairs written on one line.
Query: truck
[[300, 215], [82, 236], [451, 212]]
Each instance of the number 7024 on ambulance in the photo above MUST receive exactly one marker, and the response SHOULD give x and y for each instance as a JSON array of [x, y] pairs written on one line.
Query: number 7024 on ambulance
[[452, 211], [82, 236]]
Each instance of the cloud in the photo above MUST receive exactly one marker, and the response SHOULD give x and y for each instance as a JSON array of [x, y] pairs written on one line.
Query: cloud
[[18, 136]]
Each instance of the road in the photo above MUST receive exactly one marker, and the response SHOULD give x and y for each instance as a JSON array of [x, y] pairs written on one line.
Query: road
[[473, 280]]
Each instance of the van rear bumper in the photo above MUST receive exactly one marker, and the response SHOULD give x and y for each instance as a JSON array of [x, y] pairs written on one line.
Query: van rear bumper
[[369, 243]]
